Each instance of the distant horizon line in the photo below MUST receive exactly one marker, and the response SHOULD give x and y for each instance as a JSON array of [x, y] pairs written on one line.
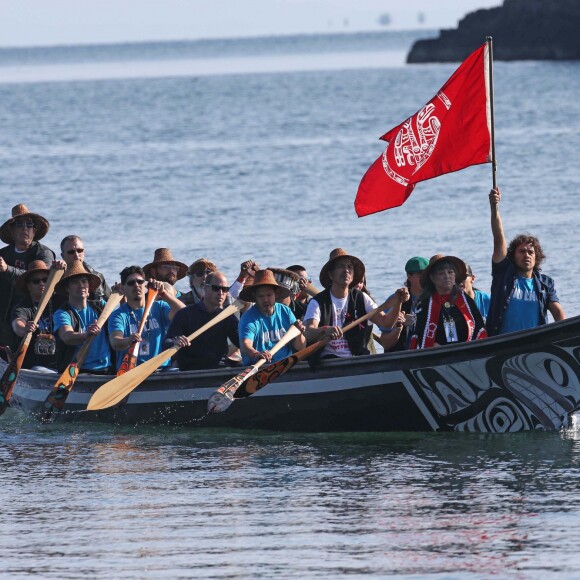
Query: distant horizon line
[[216, 38]]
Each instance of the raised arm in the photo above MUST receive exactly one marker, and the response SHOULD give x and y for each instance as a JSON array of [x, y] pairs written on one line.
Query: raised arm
[[499, 243]]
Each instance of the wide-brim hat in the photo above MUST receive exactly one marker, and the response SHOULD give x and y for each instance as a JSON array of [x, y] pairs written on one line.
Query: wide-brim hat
[[33, 268], [164, 256], [263, 278], [76, 270], [287, 279], [438, 259], [20, 211], [199, 264], [338, 253]]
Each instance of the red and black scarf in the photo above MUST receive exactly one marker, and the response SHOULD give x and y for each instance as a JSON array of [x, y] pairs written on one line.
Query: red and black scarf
[[433, 313]]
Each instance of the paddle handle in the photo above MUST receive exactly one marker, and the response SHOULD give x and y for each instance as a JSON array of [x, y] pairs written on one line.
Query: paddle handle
[[231, 309], [292, 333], [310, 350], [151, 296], [134, 346], [53, 279], [311, 289], [388, 303], [112, 303]]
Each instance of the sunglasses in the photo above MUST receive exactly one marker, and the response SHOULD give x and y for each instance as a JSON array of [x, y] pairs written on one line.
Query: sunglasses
[[23, 224], [201, 273], [133, 282], [37, 281], [217, 288], [77, 251]]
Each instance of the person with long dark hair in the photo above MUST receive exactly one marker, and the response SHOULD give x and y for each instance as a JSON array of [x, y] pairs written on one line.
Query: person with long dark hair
[[521, 296]]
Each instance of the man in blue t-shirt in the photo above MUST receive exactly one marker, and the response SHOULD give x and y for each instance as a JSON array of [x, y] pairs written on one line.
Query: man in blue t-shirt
[[520, 296], [76, 320], [124, 322], [267, 321]]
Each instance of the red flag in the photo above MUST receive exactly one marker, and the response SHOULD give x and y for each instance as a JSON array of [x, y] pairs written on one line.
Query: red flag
[[451, 132]]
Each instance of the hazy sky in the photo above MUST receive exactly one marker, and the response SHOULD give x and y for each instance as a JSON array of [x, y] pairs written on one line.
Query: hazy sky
[[46, 22]]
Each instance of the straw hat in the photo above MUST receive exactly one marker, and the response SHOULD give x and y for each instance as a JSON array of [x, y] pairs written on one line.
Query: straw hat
[[359, 268], [199, 264], [76, 270], [263, 278], [287, 279], [164, 256], [437, 259], [20, 211], [33, 268]]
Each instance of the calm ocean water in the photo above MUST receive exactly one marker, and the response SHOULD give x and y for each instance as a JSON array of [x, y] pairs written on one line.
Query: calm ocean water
[[236, 149]]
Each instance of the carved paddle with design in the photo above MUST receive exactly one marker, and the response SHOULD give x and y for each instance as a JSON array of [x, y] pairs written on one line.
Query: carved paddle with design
[[59, 393], [10, 375], [223, 397], [277, 369], [130, 358]]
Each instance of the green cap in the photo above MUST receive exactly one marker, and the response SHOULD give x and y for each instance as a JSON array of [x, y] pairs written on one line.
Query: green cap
[[416, 264]]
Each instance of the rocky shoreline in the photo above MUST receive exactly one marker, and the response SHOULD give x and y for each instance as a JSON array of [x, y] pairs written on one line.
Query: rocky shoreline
[[521, 30]]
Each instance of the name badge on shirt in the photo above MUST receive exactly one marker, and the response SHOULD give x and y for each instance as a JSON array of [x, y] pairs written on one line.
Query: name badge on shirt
[[450, 331], [144, 348]]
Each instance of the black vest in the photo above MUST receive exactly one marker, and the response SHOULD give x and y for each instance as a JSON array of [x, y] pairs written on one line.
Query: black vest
[[358, 337]]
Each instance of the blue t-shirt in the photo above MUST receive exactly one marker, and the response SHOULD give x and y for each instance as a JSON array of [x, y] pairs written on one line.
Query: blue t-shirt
[[266, 331], [126, 320], [99, 355], [482, 302], [523, 310]]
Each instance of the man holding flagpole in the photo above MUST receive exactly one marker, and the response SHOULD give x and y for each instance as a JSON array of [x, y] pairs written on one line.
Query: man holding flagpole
[[520, 296]]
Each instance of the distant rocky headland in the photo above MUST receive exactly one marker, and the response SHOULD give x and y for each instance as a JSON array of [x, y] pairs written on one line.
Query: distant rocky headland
[[521, 30]]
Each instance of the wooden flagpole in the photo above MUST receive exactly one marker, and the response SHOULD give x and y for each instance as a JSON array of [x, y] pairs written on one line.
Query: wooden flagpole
[[489, 41]]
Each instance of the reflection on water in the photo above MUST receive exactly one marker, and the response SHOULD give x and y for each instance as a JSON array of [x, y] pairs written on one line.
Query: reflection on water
[[133, 502]]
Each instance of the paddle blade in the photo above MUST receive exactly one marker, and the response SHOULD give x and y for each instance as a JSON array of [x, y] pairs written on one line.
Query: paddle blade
[[277, 369], [57, 397], [118, 388], [219, 401], [266, 376], [11, 373], [223, 397]]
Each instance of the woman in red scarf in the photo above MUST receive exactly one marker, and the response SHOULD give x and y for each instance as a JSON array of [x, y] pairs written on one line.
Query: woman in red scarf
[[445, 314]]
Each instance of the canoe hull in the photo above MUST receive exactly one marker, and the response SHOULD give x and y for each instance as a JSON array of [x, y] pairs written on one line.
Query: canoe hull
[[523, 381]]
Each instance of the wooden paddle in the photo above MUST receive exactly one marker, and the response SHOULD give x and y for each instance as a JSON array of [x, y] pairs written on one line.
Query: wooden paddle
[[223, 397], [311, 290], [273, 371], [118, 388], [59, 393], [130, 358], [10, 375]]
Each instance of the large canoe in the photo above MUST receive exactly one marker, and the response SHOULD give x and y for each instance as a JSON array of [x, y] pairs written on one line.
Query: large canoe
[[517, 382]]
